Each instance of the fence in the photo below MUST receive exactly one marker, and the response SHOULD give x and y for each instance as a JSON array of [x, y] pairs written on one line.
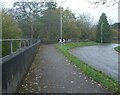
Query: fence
[[16, 65], [12, 45]]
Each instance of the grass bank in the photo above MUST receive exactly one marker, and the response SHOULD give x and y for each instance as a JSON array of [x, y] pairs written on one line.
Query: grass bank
[[93, 74], [117, 48]]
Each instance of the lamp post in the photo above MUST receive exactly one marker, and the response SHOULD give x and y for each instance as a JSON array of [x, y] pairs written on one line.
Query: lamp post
[[101, 31], [61, 21]]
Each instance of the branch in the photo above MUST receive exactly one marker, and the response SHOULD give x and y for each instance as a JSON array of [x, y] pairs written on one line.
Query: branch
[[107, 3]]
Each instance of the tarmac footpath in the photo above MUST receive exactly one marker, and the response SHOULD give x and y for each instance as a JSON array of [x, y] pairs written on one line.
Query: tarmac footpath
[[51, 72]]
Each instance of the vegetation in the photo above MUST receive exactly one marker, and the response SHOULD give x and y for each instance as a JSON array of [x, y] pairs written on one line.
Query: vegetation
[[104, 27], [10, 30], [115, 28], [95, 75], [42, 20], [109, 3], [117, 48]]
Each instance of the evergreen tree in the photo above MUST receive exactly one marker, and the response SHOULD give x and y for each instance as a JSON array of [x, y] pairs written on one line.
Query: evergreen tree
[[103, 26]]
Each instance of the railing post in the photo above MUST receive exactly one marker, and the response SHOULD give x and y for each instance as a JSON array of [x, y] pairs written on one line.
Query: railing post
[[24, 42], [20, 44], [11, 47], [30, 42]]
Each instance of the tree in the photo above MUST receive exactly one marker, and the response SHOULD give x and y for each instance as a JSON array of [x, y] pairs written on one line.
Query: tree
[[104, 27], [93, 33], [115, 31], [107, 3], [50, 25], [70, 28], [51, 5], [26, 15], [33, 17], [42, 20], [10, 29], [84, 22]]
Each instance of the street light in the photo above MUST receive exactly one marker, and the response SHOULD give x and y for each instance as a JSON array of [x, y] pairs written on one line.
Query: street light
[[61, 20], [101, 31]]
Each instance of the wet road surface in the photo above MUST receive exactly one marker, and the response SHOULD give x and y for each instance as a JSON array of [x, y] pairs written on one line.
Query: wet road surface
[[102, 57], [51, 72]]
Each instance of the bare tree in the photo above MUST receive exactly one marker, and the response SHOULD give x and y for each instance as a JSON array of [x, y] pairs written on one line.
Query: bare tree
[[28, 11], [107, 3]]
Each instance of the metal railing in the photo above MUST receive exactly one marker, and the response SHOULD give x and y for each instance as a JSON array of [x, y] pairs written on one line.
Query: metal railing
[[10, 44], [15, 66]]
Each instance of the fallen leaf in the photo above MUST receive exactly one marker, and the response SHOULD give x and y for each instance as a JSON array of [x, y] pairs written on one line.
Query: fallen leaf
[[72, 82]]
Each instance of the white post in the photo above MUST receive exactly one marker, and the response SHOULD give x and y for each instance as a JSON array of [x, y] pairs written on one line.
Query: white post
[[101, 32]]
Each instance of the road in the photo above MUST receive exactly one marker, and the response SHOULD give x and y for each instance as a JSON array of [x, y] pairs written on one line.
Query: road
[[51, 72], [103, 57]]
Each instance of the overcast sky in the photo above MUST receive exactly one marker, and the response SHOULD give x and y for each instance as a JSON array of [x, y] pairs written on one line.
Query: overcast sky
[[83, 6]]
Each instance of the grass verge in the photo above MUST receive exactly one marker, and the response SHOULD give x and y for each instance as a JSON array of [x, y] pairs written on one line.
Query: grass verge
[[92, 73], [117, 48]]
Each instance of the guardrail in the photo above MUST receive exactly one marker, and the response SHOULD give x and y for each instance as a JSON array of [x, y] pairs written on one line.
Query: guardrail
[[15, 66], [10, 44]]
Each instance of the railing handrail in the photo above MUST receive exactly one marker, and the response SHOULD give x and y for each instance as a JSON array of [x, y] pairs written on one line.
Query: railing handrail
[[23, 43], [16, 39]]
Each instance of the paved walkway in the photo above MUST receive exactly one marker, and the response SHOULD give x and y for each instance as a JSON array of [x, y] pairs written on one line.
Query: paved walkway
[[51, 72]]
